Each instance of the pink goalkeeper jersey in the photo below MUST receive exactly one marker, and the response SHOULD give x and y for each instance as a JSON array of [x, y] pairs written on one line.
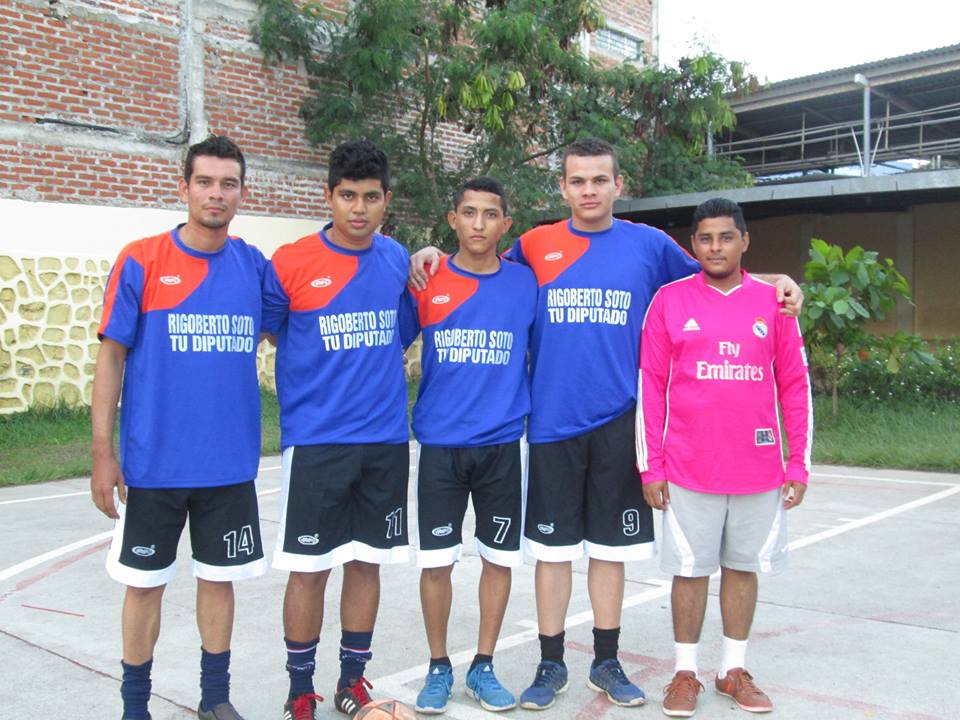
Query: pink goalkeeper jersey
[[714, 366]]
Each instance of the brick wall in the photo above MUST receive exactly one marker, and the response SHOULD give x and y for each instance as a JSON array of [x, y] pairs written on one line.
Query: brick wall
[[98, 99]]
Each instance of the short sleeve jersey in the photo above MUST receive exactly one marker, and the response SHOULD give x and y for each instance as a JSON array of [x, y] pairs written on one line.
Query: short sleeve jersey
[[190, 321], [722, 363], [339, 361], [476, 328], [594, 288]]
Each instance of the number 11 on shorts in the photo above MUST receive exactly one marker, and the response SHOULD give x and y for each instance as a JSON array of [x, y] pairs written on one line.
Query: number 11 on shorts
[[394, 523]]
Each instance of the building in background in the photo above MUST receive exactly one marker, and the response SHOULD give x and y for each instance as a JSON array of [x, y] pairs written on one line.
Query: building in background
[[99, 100]]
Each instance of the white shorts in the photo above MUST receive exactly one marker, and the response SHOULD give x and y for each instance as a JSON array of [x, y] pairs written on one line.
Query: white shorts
[[704, 531]]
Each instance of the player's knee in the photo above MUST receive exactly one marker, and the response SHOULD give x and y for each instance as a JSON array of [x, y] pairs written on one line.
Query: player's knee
[[144, 595], [437, 574]]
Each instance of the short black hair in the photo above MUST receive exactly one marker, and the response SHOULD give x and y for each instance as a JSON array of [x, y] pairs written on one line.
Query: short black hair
[[482, 183], [590, 147], [218, 146], [718, 207], [358, 160]]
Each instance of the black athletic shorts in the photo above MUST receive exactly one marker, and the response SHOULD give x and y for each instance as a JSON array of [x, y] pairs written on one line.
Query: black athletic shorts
[[224, 534], [585, 495], [493, 475], [340, 503]]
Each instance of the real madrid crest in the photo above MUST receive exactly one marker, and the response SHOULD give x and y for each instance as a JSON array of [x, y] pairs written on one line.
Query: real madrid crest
[[760, 328]]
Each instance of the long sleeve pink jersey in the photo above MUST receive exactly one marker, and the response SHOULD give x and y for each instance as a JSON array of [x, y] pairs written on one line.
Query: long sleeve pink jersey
[[714, 367]]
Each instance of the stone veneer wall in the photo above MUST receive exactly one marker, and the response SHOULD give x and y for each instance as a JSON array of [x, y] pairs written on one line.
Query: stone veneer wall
[[49, 314]]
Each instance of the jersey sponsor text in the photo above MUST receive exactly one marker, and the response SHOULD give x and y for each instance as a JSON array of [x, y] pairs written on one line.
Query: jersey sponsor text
[[202, 332], [588, 305], [469, 345], [353, 330]]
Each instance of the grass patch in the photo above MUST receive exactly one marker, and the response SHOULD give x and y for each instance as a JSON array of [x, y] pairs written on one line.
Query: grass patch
[[888, 433], [53, 443]]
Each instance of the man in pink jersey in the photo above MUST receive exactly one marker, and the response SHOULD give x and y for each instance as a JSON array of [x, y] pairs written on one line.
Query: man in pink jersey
[[717, 358]]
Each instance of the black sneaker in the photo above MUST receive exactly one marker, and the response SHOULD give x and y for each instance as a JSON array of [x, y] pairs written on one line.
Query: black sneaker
[[350, 698], [302, 707]]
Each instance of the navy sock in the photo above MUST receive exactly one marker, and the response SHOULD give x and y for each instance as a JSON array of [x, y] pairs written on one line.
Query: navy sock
[[442, 661], [605, 645], [135, 690], [301, 662], [214, 679], [551, 647], [354, 655], [479, 659]]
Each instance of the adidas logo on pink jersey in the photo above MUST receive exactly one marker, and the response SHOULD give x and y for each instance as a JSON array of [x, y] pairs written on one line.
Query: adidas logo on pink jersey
[[691, 326]]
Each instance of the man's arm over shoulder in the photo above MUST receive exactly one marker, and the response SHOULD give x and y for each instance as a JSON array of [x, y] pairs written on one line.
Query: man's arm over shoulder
[[675, 261], [276, 302]]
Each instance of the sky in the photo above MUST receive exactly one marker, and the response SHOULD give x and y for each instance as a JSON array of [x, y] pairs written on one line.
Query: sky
[[780, 40]]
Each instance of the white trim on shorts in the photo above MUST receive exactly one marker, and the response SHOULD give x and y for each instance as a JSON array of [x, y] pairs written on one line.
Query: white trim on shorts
[[229, 573], [621, 553], [551, 553], [769, 548], [441, 557], [353, 550], [340, 555], [672, 525], [128, 575], [503, 558]]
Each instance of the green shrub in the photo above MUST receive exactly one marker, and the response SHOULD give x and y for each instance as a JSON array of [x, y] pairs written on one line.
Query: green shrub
[[878, 373]]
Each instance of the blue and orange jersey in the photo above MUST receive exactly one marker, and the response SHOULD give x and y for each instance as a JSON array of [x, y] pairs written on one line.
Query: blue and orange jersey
[[594, 288], [339, 358], [190, 321], [476, 329]]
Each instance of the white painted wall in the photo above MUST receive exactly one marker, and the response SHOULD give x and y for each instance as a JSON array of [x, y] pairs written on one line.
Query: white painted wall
[[69, 229]]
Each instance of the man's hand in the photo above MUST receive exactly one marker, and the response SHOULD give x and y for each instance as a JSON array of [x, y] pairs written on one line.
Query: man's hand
[[421, 258], [793, 492], [657, 495], [105, 477], [790, 294]]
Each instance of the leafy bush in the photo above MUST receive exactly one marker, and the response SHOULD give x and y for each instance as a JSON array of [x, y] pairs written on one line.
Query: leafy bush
[[883, 370], [843, 291]]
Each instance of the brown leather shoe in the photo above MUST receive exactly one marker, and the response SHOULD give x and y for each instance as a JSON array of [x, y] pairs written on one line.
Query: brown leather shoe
[[738, 684], [680, 696]]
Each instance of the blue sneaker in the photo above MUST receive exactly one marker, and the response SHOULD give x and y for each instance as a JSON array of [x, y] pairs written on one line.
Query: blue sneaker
[[608, 677], [483, 686], [551, 680], [432, 700]]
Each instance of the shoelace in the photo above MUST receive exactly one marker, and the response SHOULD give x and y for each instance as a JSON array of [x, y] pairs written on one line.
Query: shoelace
[[685, 685], [358, 690], [745, 682], [617, 672], [487, 680], [545, 675], [302, 707], [437, 682]]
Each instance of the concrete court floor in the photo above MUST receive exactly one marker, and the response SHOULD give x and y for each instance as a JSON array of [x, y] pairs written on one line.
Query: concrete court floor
[[864, 624]]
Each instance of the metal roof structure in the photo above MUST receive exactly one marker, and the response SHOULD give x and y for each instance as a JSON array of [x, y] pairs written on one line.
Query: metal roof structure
[[885, 193], [815, 123]]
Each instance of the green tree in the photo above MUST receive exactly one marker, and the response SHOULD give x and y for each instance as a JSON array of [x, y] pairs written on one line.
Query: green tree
[[504, 81], [843, 291]]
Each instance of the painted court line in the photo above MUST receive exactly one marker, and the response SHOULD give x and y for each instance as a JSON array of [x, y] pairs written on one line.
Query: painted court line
[[51, 555], [44, 497], [394, 684], [876, 478]]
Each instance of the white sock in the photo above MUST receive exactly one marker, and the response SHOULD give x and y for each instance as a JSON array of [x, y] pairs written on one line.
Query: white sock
[[686, 655], [734, 655]]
